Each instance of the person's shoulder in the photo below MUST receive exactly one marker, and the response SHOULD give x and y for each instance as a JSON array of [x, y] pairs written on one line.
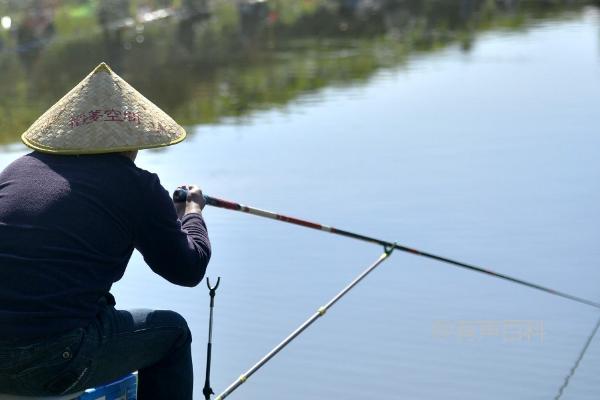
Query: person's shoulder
[[154, 193], [120, 164], [148, 182], [145, 176], [24, 160]]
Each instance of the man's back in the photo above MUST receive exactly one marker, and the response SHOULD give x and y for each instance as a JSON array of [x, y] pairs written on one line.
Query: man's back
[[68, 226]]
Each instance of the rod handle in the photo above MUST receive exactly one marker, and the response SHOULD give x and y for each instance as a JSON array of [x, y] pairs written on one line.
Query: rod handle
[[180, 195]]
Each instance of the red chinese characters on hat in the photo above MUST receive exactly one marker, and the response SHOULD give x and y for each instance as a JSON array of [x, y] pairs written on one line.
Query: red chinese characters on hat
[[111, 115]]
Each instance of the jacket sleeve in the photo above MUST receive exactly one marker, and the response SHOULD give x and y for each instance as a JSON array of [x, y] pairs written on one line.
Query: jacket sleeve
[[177, 250]]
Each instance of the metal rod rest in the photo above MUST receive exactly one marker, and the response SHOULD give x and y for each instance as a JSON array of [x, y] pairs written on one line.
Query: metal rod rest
[[319, 313]]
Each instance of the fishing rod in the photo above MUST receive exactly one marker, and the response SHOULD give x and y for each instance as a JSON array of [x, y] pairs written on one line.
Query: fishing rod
[[181, 195]]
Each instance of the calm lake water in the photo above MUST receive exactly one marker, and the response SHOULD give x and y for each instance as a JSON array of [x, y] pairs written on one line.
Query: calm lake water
[[488, 156]]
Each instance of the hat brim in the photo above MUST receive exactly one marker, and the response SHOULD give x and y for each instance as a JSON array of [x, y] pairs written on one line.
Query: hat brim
[[53, 150]]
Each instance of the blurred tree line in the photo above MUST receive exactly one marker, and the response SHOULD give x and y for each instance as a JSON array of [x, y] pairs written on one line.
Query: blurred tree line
[[203, 60]]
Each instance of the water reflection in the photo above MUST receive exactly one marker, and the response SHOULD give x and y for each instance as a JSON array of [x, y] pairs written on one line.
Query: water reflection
[[34, 32], [113, 16], [205, 60]]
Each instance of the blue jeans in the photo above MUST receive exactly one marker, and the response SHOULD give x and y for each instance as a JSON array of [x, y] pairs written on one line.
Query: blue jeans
[[155, 343]]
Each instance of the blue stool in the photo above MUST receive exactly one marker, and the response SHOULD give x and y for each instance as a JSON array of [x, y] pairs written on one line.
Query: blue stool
[[121, 389]]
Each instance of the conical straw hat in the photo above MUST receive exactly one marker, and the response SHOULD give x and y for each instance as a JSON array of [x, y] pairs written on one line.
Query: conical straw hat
[[102, 114]]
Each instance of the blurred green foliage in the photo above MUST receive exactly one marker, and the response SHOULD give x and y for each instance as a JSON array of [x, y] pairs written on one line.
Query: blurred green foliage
[[204, 68]]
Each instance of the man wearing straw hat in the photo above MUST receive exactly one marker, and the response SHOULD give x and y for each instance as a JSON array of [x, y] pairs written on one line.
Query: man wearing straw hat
[[71, 214]]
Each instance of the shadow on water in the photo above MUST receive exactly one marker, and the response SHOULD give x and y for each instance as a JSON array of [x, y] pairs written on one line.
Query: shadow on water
[[203, 60]]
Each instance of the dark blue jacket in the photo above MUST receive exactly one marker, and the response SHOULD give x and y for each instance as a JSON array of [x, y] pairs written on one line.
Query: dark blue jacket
[[68, 226]]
